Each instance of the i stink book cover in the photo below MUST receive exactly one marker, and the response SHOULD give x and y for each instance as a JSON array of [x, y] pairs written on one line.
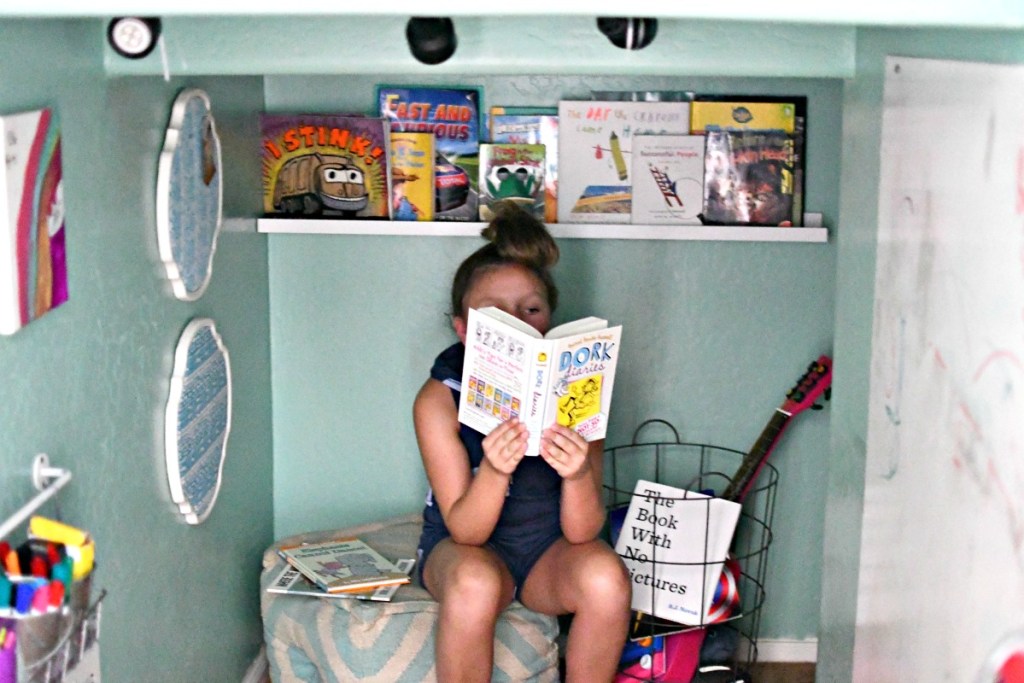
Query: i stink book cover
[[326, 165]]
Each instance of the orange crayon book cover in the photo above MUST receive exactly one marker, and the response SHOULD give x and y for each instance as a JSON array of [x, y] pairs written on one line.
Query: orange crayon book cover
[[595, 144]]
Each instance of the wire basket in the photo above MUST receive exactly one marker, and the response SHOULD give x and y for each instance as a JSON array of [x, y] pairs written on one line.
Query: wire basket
[[729, 643]]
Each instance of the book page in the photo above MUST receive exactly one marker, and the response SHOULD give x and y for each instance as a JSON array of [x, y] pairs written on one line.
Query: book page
[[588, 324], [510, 320], [498, 360]]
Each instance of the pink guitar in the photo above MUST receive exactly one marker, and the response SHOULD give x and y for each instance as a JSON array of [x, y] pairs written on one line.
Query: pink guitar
[[815, 382]]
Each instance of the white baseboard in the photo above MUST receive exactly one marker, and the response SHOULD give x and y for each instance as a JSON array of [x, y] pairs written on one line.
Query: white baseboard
[[259, 670], [787, 650]]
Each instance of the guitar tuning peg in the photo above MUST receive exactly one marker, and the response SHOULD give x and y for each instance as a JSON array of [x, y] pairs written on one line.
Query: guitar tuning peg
[[828, 393], [816, 406]]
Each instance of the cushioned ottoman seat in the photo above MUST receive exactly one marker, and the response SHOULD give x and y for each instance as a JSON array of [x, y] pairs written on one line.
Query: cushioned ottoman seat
[[327, 639]]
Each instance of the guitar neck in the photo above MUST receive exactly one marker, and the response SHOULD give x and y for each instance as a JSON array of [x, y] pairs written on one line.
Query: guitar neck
[[755, 459]]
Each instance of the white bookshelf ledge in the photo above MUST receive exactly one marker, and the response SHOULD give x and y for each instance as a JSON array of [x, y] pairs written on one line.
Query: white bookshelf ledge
[[617, 231]]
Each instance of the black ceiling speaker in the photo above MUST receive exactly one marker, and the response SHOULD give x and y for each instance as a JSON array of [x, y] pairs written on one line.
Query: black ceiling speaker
[[431, 39], [629, 33], [133, 37]]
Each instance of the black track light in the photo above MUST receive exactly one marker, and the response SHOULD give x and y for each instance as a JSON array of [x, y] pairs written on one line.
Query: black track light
[[431, 39], [133, 37], [628, 33]]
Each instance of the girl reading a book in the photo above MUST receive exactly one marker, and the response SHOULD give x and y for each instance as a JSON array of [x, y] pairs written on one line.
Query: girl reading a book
[[497, 525]]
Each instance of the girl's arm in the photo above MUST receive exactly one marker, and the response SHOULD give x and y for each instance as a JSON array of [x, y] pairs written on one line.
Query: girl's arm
[[469, 504], [581, 466]]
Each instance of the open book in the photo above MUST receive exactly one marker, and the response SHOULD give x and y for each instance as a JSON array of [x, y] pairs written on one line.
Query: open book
[[511, 370], [290, 581]]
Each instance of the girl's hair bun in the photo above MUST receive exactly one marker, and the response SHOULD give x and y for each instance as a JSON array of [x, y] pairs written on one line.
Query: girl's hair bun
[[518, 236]]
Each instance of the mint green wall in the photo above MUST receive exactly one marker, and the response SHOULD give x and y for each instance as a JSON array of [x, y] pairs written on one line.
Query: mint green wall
[[355, 321], [714, 334], [88, 382]]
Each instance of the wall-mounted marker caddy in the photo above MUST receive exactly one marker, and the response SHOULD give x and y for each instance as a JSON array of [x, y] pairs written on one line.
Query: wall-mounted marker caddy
[[49, 624]]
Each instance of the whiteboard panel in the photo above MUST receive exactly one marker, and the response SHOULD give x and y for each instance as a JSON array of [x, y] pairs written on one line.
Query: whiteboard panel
[[942, 555]]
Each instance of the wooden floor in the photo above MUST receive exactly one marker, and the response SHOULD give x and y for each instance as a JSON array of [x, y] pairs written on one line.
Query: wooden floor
[[782, 673]]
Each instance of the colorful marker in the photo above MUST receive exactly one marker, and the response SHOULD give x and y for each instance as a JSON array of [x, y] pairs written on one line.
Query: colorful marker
[[57, 593], [41, 599], [11, 563], [23, 597], [6, 587]]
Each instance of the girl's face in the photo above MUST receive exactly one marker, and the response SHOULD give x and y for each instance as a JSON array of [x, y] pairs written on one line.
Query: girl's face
[[513, 289]]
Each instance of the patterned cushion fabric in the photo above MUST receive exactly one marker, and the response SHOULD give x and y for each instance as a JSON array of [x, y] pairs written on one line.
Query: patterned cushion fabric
[[328, 640]]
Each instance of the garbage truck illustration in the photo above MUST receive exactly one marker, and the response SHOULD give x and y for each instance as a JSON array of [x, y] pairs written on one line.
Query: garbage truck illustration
[[313, 183]]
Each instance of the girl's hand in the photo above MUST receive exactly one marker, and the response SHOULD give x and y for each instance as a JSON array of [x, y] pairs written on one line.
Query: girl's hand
[[505, 446], [566, 451]]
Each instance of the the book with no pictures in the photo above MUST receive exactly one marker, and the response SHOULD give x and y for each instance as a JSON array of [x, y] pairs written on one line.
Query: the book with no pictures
[[345, 564], [290, 581], [565, 376], [512, 172], [325, 165], [668, 179], [595, 145], [675, 543]]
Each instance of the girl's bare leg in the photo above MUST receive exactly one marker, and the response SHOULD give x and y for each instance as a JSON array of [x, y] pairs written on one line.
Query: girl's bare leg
[[472, 586], [589, 581]]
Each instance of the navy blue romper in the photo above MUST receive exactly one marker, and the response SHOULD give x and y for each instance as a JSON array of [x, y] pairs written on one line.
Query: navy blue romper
[[529, 522]]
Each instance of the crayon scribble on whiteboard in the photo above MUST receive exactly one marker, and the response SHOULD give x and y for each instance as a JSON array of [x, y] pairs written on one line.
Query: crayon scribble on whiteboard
[[942, 542]]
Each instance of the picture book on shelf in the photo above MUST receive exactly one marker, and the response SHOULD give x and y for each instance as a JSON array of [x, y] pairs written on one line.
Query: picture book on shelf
[[748, 178], [33, 260], [290, 581], [326, 165], [595, 153], [532, 125], [453, 116], [512, 172], [340, 565], [412, 176], [757, 112], [675, 543], [741, 115], [565, 376], [516, 123], [668, 179]]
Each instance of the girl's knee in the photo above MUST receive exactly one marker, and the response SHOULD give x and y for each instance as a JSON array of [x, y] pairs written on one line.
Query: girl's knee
[[607, 580], [474, 586]]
